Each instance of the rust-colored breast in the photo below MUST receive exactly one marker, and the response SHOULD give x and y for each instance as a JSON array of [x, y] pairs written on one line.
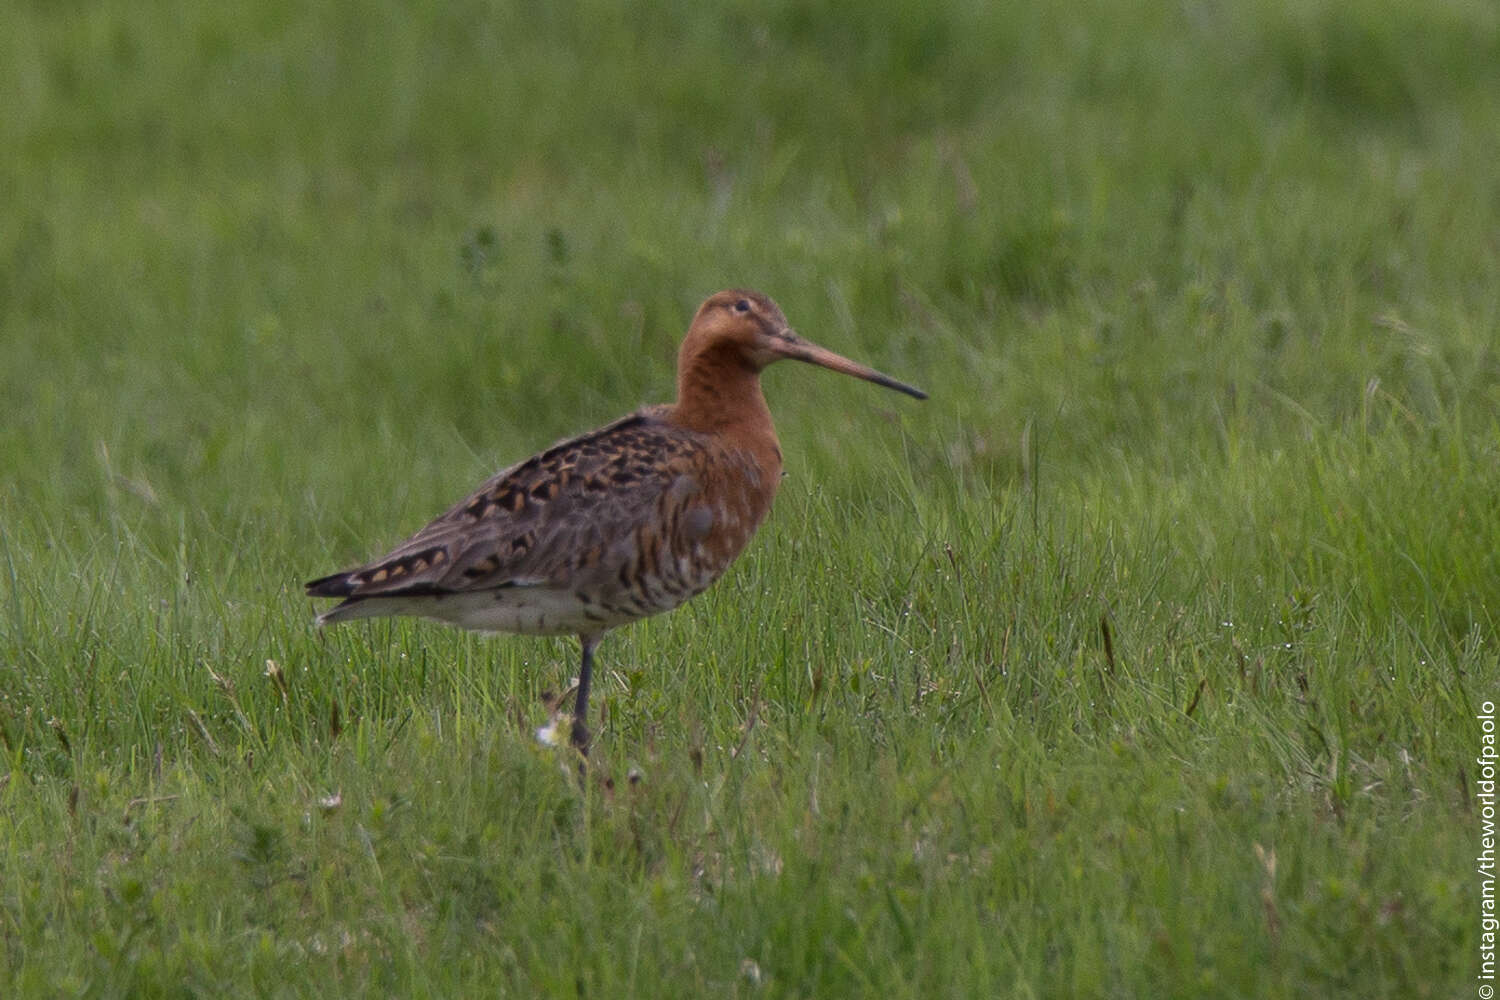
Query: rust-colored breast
[[705, 522]]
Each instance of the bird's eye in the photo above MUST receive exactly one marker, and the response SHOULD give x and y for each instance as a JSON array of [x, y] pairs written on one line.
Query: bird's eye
[[742, 306]]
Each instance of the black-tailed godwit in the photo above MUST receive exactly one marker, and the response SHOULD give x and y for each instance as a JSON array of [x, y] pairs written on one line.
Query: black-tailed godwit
[[618, 524]]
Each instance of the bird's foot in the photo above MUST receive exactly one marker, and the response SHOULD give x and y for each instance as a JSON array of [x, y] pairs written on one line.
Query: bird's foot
[[580, 737]]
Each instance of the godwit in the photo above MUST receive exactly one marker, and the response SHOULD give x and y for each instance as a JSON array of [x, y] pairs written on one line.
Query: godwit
[[626, 521]]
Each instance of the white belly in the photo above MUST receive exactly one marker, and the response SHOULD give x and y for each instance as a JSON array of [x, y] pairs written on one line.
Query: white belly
[[524, 610]]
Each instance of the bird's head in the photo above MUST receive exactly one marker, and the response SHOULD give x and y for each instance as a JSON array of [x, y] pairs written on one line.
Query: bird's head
[[749, 329]]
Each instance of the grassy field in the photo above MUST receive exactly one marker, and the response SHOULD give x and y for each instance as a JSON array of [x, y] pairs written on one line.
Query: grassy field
[[1143, 660]]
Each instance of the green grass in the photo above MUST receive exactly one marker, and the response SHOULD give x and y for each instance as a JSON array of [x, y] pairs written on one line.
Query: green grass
[[1141, 661]]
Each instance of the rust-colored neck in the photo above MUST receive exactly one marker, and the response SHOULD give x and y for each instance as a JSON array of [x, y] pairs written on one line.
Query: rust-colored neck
[[718, 392]]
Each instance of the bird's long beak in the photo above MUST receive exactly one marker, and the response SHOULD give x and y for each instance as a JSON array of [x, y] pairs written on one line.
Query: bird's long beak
[[789, 345]]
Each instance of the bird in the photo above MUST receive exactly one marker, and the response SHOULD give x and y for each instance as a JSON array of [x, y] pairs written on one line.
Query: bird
[[618, 524]]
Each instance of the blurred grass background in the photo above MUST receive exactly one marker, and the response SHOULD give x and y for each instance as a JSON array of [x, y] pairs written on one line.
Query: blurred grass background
[[1142, 660]]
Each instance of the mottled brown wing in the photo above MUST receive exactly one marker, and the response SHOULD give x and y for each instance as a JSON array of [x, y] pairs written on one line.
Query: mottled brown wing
[[543, 521]]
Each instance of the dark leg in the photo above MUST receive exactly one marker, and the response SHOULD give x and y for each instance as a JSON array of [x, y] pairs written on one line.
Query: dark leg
[[581, 699]]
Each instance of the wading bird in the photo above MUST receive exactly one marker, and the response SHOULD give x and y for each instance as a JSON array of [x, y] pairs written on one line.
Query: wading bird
[[618, 524]]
